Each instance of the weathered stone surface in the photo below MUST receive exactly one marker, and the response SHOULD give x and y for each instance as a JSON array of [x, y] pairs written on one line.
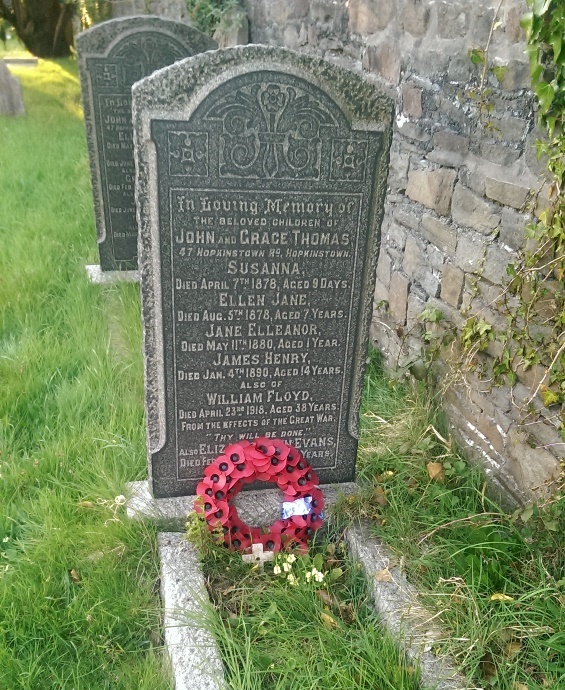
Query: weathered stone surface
[[11, 101], [411, 100], [506, 192], [112, 56], [470, 253], [370, 16], [256, 317], [195, 659], [452, 281], [397, 604], [398, 296], [470, 210], [432, 188], [440, 233]]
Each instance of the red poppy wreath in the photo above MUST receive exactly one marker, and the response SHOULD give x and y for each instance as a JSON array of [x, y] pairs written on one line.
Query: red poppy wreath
[[264, 460]]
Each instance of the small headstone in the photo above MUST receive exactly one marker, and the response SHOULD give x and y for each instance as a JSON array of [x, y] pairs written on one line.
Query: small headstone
[[260, 188], [11, 101], [112, 56]]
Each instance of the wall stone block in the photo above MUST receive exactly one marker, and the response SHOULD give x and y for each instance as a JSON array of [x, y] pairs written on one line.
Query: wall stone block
[[511, 24], [411, 100], [453, 19], [452, 281], [381, 293], [470, 253], [442, 234], [398, 297], [406, 217], [416, 305], [497, 259], [470, 210], [384, 58], [506, 193], [414, 258], [414, 18], [396, 234], [530, 467], [432, 188], [370, 16], [517, 75], [499, 153], [383, 269]]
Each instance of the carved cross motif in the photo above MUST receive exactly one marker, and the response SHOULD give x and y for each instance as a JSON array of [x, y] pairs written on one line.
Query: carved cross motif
[[258, 556]]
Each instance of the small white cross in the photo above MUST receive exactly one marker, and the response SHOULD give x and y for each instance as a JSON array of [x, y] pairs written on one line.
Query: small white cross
[[258, 556]]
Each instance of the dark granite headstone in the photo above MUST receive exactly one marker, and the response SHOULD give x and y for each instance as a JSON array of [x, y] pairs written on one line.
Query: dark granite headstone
[[261, 183], [112, 56]]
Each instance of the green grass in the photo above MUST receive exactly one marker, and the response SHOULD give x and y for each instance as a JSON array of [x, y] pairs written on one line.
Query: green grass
[[275, 634], [13, 47], [78, 607], [459, 547]]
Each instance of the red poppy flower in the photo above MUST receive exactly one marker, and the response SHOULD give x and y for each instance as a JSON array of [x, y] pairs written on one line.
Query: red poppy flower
[[218, 514], [271, 541], [215, 476], [235, 452]]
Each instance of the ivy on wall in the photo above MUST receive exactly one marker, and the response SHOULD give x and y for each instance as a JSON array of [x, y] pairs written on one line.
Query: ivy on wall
[[536, 326]]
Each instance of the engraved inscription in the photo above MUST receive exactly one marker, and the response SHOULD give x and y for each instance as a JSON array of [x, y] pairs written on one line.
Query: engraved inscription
[[267, 331]]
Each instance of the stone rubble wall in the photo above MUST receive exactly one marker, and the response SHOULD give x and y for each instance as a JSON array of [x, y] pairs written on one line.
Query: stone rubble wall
[[454, 213], [171, 9]]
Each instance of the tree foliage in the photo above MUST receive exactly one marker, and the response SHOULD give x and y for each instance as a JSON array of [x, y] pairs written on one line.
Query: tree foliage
[[45, 27]]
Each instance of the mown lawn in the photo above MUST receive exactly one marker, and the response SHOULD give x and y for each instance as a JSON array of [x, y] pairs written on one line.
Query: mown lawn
[[78, 605]]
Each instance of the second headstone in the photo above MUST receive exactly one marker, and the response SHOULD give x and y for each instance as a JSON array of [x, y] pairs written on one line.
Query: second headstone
[[112, 56]]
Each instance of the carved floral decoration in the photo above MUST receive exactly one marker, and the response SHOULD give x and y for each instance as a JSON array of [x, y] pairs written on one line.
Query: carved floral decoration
[[270, 131]]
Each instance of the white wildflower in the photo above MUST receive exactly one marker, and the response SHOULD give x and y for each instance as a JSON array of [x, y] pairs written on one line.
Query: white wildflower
[[292, 580], [291, 558], [317, 575], [287, 567], [277, 570]]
